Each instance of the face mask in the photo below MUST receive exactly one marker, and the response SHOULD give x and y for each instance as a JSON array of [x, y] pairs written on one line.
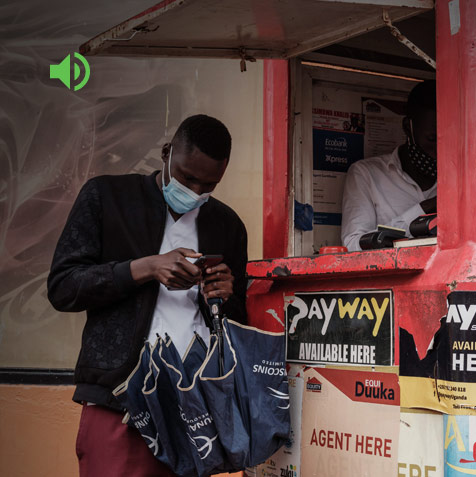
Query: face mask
[[178, 197], [422, 161]]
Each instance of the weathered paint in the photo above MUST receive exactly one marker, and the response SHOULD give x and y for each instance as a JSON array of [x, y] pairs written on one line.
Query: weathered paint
[[323, 267], [419, 294]]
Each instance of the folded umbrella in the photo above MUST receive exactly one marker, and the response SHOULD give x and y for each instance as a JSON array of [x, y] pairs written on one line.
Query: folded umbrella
[[130, 395], [261, 388], [155, 383], [164, 401], [194, 356], [190, 409], [221, 409], [217, 380]]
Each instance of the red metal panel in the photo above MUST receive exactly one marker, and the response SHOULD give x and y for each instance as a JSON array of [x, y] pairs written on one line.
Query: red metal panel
[[375, 262], [456, 83], [275, 159]]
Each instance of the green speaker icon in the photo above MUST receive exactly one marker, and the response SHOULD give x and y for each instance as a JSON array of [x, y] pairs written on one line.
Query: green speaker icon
[[63, 71]]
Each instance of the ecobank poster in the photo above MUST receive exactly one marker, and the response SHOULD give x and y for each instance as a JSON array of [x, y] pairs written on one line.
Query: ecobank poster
[[351, 423], [445, 380], [347, 127], [338, 141], [340, 327]]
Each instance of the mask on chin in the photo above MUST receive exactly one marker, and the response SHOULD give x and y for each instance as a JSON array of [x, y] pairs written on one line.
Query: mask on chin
[[178, 197], [420, 160]]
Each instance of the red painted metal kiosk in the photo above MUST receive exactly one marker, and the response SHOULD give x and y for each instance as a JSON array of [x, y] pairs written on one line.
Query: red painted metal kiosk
[[420, 276], [417, 278]]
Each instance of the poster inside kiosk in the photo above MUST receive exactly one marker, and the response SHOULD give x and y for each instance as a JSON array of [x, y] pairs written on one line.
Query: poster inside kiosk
[[347, 126]]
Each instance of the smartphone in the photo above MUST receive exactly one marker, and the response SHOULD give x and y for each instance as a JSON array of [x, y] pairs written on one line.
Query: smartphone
[[206, 261]]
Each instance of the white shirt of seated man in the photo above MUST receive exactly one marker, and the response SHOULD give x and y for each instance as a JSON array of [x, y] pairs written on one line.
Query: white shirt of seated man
[[394, 189], [378, 192]]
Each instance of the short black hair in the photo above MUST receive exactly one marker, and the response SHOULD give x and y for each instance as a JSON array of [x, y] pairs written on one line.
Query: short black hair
[[422, 96], [206, 133]]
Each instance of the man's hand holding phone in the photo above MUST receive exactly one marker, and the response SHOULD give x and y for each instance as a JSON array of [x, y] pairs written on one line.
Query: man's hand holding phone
[[217, 279], [176, 272], [172, 269]]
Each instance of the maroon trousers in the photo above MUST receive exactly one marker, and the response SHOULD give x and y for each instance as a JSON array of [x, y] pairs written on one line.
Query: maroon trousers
[[108, 448]]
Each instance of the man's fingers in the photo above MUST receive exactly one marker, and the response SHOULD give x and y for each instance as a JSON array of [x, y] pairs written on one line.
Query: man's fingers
[[188, 252], [220, 272], [177, 283], [183, 267], [225, 286], [217, 294], [218, 277], [220, 268], [190, 269], [186, 274]]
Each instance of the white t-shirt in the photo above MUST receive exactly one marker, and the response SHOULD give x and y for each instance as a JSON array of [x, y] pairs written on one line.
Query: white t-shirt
[[378, 192], [176, 311]]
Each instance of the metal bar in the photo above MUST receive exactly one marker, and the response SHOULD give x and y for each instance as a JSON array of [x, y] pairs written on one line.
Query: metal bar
[[124, 49], [356, 70], [366, 65], [405, 41]]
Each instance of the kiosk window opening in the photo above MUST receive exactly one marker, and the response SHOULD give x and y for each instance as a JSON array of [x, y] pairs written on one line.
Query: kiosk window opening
[[358, 112]]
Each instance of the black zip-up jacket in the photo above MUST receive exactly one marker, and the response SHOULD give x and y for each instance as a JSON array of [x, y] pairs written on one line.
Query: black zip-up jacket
[[117, 219]]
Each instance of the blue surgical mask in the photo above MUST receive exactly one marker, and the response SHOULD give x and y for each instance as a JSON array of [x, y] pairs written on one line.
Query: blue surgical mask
[[178, 197]]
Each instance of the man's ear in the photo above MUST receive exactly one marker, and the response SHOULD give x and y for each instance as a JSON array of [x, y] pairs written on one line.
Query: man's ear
[[166, 151], [406, 126]]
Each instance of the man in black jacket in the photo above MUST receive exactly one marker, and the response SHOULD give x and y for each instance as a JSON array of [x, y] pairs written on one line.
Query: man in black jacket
[[126, 257]]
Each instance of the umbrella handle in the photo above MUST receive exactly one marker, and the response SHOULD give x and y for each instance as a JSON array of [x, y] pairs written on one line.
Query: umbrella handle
[[215, 309], [214, 305]]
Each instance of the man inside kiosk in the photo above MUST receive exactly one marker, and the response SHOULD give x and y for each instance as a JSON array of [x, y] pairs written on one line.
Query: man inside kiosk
[[394, 189]]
